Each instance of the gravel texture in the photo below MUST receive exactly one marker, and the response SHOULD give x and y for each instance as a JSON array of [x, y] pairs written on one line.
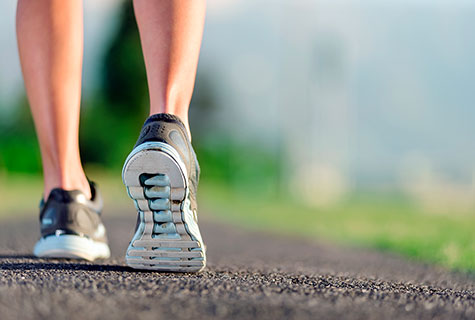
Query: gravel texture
[[250, 275]]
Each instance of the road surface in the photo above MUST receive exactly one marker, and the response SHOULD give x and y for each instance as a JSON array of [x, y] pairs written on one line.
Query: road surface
[[250, 275]]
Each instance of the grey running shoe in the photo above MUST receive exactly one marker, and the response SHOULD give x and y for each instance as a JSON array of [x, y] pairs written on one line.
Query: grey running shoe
[[71, 226], [161, 176]]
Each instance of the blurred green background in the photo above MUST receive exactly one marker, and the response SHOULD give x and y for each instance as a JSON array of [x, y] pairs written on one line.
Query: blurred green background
[[346, 121]]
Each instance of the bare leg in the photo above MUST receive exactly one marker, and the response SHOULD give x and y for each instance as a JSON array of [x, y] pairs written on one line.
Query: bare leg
[[50, 41], [171, 32]]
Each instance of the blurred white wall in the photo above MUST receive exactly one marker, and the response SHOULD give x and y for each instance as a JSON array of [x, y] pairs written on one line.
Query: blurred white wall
[[350, 88]]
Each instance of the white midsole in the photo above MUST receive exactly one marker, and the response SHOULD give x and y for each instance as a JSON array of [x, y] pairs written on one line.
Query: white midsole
[[161, 147], [71, 246]]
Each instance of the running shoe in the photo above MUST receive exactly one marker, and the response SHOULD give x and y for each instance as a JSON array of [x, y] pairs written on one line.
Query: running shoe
[[161, 176], [71, 226]]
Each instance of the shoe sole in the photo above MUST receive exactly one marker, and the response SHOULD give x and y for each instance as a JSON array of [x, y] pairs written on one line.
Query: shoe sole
[[71, 247], [167, 237]]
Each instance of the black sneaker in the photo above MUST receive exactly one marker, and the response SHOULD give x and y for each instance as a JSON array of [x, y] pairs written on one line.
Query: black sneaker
[[161, 176], [71, 226]]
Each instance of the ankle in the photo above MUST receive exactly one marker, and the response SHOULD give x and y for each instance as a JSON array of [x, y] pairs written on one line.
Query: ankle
[[65, 182]]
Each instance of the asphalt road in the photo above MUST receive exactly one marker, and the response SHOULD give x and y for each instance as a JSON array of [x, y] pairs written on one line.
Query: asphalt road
[[250, 276]]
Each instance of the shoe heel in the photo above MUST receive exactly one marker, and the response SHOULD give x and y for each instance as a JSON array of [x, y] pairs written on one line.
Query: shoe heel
[[156, 183]]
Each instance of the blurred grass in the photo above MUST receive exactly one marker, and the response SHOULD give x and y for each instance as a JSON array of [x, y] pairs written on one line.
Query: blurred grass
[[388, 222]]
